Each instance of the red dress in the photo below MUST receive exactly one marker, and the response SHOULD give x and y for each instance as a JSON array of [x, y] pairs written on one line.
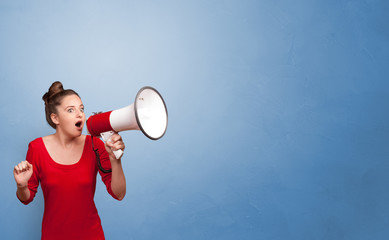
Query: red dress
[[68, 191]]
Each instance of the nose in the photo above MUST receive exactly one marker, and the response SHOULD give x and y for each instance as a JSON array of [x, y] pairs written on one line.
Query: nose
[[79, 113]]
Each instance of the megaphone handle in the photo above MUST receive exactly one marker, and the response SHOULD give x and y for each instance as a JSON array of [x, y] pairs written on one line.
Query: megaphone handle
[[106, 136]]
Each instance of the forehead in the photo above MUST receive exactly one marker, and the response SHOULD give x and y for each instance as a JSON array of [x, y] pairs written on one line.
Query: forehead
[[71, 100]]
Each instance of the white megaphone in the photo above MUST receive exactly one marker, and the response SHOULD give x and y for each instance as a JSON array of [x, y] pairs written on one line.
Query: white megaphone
[[148, 113]]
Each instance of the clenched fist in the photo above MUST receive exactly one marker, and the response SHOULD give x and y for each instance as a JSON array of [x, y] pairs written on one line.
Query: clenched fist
[[22, 173]]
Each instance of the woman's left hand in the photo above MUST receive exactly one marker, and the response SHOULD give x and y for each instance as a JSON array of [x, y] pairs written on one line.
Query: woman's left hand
[[113, 144]]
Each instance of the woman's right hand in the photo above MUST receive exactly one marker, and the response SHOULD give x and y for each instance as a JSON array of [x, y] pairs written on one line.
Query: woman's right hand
[[22, 173]]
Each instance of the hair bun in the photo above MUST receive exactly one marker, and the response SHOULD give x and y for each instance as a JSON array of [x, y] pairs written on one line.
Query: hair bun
[[53, 99], [55, 88]]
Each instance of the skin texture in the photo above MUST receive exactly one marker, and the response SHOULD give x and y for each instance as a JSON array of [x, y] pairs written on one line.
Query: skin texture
[[65, 146]]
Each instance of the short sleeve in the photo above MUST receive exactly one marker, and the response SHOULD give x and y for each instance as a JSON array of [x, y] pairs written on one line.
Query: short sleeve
[[106, 164], [32, 157]]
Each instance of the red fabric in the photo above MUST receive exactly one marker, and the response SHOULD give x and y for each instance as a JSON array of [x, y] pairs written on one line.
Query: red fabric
[[99, 123], [68, 190]]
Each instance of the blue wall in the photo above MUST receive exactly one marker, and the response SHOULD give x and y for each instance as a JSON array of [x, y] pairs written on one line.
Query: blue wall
[[278, 113]]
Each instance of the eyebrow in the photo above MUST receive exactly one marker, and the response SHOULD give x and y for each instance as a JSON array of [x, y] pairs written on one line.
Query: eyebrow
[[82, 105]]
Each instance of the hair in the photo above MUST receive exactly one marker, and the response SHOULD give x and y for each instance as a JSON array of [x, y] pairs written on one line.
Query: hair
[[53, 98]]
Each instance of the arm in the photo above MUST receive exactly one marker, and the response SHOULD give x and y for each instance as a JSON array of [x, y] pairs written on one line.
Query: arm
[[118, 181]]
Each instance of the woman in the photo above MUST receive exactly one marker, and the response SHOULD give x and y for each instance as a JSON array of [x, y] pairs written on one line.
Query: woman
[[64, 163]]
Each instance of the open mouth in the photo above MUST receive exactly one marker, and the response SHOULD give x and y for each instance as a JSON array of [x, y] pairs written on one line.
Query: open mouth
[[78, 124]]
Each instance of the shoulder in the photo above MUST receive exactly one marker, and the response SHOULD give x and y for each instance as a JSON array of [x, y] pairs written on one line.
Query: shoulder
[[96, 143], [35, 150], [36, 143], [95, 140], [48, 139]]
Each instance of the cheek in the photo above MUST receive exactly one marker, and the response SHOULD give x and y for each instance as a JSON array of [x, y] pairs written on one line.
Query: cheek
[[67, 121]]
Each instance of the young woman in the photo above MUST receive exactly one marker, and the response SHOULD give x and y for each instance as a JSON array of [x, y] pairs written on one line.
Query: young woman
[[64, 163]]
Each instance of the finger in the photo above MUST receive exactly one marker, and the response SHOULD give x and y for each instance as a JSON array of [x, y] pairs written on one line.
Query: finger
[[122, 147], [17, 169], [119, 145], [29, 165], [115, 138], [115, 148], [109, 144], [20, 167], [24, 165]]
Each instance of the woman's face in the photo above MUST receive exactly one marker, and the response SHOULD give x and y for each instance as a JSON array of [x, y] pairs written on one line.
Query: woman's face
[[70, 117]]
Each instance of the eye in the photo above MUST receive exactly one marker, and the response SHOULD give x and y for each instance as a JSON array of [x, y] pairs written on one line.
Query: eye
[[70, 110], [82, 110]]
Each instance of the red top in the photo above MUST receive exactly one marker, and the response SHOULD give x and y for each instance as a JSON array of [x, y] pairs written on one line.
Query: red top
[[68, 190]]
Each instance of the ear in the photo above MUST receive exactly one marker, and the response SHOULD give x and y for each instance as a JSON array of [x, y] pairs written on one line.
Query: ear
[[54, 118]]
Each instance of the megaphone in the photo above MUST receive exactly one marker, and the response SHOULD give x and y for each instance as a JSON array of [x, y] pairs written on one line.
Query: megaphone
[[148, 114]]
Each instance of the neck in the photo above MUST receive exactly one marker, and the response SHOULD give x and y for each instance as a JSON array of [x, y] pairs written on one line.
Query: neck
[[64, 140]]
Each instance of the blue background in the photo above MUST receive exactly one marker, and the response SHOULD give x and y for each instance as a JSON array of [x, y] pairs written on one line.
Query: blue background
[[278, 113]]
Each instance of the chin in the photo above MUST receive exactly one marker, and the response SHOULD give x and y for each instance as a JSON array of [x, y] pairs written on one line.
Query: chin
[[79, 133], [76, 134]]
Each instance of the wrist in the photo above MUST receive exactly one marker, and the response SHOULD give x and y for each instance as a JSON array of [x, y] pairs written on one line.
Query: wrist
[[114, 160], [22, 186], [115, 163]]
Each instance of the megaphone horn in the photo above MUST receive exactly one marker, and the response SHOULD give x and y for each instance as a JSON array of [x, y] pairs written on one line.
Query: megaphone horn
[[148, 114]]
